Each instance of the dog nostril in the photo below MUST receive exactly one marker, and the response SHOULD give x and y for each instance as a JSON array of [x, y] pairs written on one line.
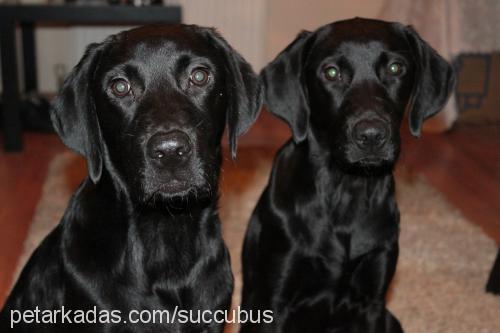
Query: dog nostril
[[167, 146], [181, 151]]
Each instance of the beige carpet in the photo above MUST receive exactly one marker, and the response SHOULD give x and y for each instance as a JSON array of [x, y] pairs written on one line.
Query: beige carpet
[[444, 260]]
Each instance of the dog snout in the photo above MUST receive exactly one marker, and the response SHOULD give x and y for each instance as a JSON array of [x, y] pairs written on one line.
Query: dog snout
[[168, 147], [370, 133]]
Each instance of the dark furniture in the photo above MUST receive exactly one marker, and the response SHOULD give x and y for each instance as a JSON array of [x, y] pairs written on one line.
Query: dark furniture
[[493, 285], [26, 17]]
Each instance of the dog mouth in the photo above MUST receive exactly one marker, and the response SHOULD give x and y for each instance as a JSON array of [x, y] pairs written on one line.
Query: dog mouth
[[178, 194], [367, 164], [372, 161], [176, 189], [371, 166], [371, 158]]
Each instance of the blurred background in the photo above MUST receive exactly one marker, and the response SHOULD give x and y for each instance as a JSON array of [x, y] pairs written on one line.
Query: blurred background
[[448, 180]]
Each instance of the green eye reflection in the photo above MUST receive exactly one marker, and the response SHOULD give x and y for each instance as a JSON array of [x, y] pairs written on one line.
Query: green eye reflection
[[332, 73], [395, 68], [199, 76], [120, 87]]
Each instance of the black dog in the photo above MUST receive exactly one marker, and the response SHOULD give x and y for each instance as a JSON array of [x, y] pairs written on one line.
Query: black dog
[[322, 244], [147, 108]]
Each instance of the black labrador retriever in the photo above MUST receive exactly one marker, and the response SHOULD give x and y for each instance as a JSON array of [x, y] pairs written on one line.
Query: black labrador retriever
[[147, 108], [322, 244]]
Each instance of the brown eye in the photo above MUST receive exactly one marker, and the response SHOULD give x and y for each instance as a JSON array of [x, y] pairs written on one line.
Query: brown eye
[[199, 76], [396, 68], [120, 87]]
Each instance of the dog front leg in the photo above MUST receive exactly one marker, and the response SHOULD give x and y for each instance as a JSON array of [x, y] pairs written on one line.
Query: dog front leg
[[369, 284]]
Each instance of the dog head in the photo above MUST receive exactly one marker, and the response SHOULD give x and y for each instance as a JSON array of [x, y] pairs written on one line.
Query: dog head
[[149, 106], [348, 84]]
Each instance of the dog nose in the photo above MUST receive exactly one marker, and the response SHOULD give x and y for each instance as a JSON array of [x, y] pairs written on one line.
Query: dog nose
[[370, 133], [168, 146]]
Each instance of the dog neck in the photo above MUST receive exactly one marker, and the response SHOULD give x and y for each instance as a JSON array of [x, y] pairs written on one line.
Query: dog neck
[[330, 176], [307, 175], [328, 203], [99, 215]]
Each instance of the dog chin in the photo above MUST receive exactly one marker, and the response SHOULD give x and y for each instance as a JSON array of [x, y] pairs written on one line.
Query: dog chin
[[179, 195], [372, 166]]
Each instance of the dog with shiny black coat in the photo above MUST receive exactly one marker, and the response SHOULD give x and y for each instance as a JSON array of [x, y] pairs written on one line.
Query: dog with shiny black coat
[[322, 244], [147, 108]]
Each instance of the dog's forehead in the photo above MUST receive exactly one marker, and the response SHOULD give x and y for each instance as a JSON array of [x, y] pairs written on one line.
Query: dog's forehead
[[361, 36], [163, 41], [164, 50], [361, 51]]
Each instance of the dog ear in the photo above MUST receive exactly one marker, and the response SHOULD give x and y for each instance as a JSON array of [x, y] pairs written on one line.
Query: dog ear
[[73, 112], [284, 91], [434, 82], [244, 92]]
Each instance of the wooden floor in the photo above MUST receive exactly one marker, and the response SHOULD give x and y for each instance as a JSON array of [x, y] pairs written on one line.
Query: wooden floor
[[463, 164], [21, 178]]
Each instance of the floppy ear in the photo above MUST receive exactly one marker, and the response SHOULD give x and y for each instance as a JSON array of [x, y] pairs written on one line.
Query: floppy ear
[[73, 112], [434, 82], [284, 93], [244, 92]]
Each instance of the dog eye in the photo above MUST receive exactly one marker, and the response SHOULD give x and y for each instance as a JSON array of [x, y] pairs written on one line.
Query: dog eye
[[332, 73], [199, 76], [396, 68], [120, 87]]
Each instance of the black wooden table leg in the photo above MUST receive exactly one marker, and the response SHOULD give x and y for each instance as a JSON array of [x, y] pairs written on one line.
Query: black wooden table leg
[[493, 285], [29, 56], [12, 128]]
